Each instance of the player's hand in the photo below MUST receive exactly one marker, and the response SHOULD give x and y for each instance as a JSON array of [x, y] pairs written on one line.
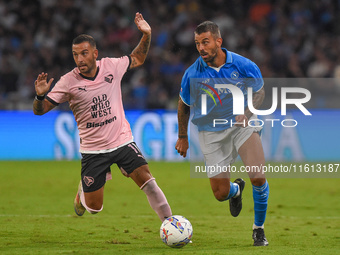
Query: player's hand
[[41, 84], [141, 24], [242, 121], [182, 146]]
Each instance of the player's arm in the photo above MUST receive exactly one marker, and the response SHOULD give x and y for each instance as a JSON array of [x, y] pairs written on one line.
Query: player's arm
[[138, 55], [183, 115], [41, 105], [258, 98]]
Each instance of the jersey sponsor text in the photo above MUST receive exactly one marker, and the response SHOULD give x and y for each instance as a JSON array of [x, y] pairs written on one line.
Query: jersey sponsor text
[[100, 124]]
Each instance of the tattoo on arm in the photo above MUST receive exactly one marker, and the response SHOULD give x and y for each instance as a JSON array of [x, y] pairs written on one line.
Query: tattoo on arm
[[258, 98], [183, 115], [133, 62], [138, 55], [38, 107], [143, 46], [41, 107]]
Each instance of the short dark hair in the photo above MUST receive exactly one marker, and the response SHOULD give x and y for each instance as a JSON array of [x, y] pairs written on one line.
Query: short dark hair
[[84, 38], [208, 26]]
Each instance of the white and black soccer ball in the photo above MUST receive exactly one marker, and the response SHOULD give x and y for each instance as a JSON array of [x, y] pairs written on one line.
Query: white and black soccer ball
[[176, 231]]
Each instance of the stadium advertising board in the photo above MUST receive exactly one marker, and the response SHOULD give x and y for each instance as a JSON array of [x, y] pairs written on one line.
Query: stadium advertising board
[[25, 136]]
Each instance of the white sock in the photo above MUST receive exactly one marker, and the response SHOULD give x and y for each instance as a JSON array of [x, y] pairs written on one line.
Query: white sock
[[255, 227], [238, 190]]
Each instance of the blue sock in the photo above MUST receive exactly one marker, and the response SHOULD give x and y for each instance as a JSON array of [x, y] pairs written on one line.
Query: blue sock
[[233, 190], [260, 196]]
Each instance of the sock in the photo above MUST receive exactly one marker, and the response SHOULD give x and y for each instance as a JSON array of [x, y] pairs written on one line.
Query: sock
[[82, 200], [260, 196], [234, 190], [256, 227], [157, 199]]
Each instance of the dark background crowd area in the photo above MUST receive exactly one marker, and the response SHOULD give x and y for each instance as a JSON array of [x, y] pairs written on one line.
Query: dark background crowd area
[[285, 38]]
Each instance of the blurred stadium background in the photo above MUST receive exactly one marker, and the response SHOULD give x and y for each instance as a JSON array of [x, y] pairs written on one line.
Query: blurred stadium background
[[286, 39]]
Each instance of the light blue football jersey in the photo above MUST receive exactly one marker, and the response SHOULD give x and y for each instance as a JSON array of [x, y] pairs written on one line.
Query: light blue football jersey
[[201, 79]]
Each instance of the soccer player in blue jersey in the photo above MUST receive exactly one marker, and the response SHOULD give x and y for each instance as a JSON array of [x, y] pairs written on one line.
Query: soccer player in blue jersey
[[221, 144]]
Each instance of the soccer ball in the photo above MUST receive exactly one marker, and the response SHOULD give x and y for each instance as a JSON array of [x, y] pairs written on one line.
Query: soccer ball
[[176, 231]]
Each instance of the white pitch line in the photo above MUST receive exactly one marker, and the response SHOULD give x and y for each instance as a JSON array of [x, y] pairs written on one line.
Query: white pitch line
[[151, 216], [38, 216], [65, 216]]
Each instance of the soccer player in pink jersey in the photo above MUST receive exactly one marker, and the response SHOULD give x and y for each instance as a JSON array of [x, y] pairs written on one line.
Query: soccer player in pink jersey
[[93, 91]]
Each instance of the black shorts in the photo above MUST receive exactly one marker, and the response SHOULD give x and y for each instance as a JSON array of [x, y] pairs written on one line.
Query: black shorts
[[95, 166]]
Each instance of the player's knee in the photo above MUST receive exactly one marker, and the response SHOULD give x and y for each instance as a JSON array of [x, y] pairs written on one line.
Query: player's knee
[[258, 181], [221, 195]]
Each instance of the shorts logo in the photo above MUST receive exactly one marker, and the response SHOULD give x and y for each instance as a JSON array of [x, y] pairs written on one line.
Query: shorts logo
[[88, 180]]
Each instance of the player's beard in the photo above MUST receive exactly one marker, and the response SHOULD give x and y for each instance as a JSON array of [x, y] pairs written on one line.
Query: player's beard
[[89, 68], [210, 60]]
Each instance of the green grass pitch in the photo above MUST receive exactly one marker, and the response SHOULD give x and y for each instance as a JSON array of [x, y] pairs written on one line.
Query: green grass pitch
[[36, 214]]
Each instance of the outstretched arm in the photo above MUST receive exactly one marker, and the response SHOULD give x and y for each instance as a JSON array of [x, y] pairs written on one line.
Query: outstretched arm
[[40, 104], [138, 55], [183, 115]]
